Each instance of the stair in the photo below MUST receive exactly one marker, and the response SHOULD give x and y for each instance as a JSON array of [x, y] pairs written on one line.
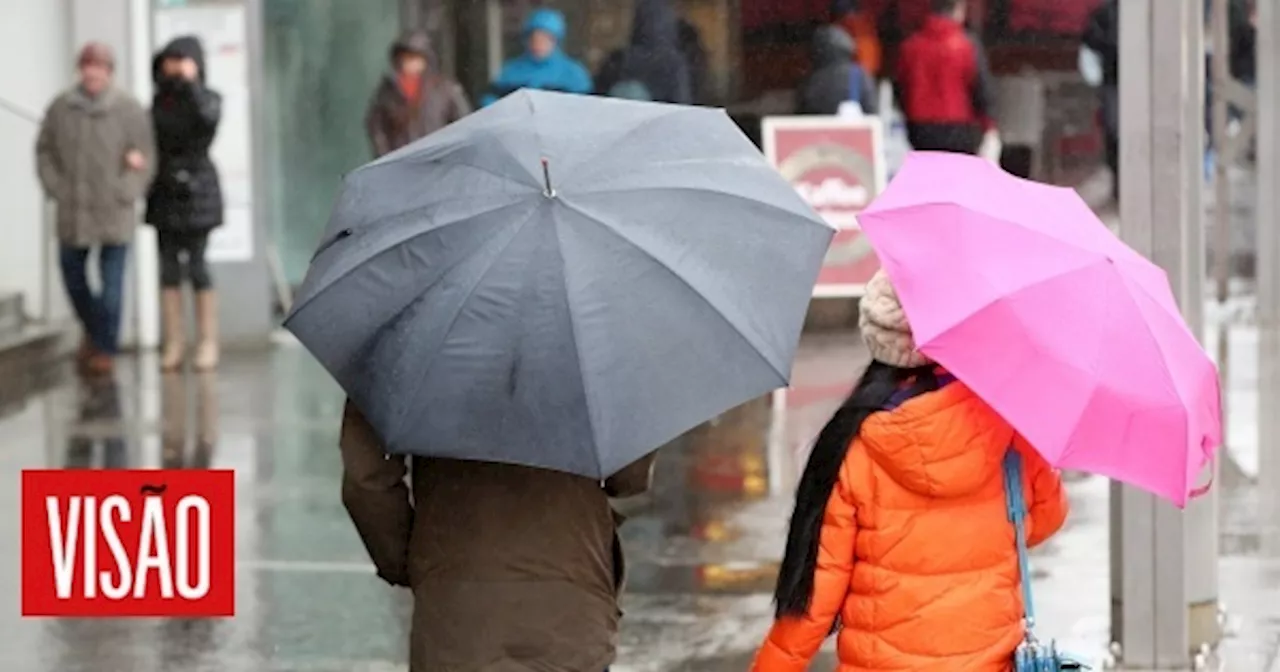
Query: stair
[[30, 352], [11, 315]]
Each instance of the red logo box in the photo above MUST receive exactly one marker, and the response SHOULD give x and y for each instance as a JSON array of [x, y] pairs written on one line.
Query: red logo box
[[128, 543]]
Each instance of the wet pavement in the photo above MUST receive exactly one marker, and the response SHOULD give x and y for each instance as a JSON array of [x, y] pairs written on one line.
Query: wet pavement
[[703, 547]]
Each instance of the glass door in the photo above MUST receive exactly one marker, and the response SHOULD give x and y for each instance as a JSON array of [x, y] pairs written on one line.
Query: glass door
[[321, 60]]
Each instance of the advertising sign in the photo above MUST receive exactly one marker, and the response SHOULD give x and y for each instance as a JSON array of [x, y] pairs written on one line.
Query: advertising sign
[[117, 543], [838, 166]]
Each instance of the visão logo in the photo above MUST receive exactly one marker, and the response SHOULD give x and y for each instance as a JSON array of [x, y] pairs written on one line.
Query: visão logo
[[128, 543]]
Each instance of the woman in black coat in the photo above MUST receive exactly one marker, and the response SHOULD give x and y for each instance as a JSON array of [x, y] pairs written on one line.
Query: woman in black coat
[[185, 202]]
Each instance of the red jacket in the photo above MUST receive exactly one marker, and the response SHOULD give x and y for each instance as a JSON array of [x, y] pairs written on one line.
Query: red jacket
[[942, 76]]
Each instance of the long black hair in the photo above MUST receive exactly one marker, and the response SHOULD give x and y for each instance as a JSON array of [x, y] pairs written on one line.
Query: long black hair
[[877, 385]]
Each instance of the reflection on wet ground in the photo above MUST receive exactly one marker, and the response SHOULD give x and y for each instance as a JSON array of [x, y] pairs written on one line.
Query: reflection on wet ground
[[703, 547]]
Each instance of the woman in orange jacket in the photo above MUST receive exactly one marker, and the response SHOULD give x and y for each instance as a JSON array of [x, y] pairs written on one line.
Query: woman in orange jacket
[[900, 541]]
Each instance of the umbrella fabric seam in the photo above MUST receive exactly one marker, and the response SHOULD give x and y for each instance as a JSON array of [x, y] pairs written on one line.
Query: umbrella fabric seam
[[916, 207], [426, 369], [573, 170], [703, 297], [407, 154], [660, 166], [997, 299], [409, 304], [718, 192], [577, 353], [315, 295]]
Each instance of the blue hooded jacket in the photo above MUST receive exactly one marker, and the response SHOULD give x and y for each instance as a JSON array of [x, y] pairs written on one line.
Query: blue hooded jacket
[[557, 72]]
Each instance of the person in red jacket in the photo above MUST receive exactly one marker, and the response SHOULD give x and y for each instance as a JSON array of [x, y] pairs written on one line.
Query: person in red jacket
[[943, 85]]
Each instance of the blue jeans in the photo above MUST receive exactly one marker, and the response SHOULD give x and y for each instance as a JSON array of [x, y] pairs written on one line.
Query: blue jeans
[[99, 314]]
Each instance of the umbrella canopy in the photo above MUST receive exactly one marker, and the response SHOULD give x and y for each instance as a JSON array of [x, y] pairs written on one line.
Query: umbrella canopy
[[561, 281], [1020, 291]]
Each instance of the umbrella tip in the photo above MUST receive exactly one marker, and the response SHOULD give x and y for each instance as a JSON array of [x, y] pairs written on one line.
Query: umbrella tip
[[547, 190]]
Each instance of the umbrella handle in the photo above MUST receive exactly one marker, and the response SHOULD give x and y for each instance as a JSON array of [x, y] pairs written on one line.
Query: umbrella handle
[[1213, 468]]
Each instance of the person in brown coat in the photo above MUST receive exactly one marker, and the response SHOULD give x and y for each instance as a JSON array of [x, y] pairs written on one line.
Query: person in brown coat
[[413, 99], [95, 157], [512, 568]]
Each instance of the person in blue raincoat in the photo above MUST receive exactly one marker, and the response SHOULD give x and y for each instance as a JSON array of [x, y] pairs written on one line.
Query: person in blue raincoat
[[544, 65]]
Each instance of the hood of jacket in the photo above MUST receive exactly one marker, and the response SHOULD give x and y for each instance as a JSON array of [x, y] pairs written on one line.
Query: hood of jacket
[[946, 443], [655, 26], [832, 45], [188, 46], [940, 26], [549, 21], [412, 42]]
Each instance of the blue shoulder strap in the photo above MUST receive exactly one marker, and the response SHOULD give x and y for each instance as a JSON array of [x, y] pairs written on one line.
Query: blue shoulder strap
[[855, 83], [1016, 506], [903, 395]]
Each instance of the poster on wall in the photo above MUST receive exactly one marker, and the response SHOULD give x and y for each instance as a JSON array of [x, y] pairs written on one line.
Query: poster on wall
[[838, 166], [223, 30]]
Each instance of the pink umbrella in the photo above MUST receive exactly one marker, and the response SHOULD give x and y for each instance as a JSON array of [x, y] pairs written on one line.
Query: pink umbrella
[[1020, 291]]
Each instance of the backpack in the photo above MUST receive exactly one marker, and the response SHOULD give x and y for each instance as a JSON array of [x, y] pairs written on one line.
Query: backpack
[[630, 89]]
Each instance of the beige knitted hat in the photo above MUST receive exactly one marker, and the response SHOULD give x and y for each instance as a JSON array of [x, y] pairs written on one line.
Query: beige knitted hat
[[884, 326]]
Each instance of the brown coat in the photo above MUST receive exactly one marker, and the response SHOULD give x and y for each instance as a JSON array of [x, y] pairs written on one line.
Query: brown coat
[[80, 157], [512, 568], [393, 123]]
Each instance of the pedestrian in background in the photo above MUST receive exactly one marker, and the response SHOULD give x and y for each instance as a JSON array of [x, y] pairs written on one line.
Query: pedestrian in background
[[185, 203], [900, 533], [861, 28], [695, 54], [544, 65], [944, 85], [836, 77], [413, 99], [511, 567], [1102, 35], [652, 67], [95, 158]]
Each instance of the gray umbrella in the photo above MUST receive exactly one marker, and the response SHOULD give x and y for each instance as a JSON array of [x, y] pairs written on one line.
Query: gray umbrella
[[561, 281]]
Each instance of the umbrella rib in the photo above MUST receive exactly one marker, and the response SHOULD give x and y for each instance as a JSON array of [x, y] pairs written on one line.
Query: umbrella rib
[[917, 207], [626, 239], [676, 109], [426, 369], [316, 294], [444, 152], [718, 192], [577, 354]]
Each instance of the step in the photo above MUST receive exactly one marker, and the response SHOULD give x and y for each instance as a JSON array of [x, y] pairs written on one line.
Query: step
[[11, 313], [33, 358]]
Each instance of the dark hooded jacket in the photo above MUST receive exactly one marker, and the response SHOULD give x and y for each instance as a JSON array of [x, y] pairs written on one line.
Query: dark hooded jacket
[[392, 121], [653, 58], [833, 76], [1102, 35], [186, 196]]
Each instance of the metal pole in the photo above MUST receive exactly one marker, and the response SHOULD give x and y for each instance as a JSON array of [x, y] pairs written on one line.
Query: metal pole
[[493, 36], [1225, 157], [1202, 514], [1268, 210], [1150, 619]]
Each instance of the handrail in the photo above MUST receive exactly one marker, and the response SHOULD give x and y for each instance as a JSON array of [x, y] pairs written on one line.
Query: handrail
[[20, 112], [46, 291]]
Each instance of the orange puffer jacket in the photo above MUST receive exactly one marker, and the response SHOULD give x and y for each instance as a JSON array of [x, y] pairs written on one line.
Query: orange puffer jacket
[[917, 555]]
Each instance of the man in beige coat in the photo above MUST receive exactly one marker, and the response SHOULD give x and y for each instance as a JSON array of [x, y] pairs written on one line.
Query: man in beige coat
[[95, 158], [512, 568]]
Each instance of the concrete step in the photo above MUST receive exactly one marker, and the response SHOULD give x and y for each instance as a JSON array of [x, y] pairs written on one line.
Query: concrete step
[[32, 358], [11, 313]]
